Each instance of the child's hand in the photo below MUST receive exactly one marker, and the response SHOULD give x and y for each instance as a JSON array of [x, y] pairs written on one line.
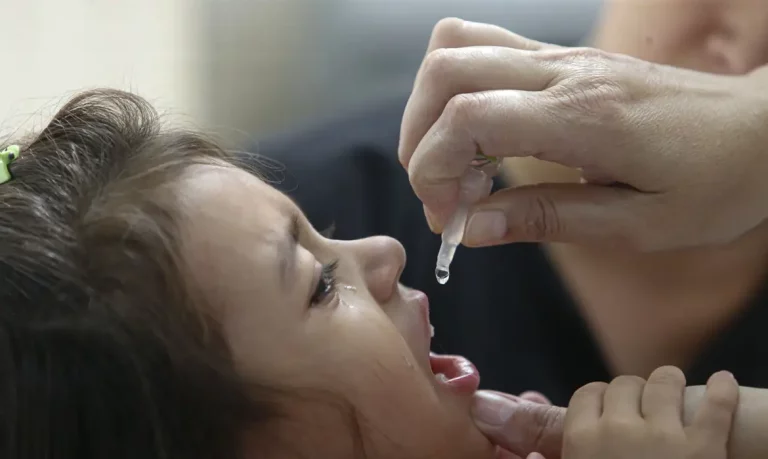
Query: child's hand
[[634, 419]]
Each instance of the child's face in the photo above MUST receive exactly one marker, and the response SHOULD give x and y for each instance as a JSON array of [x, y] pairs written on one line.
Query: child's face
[[719, 36], [365, 342]]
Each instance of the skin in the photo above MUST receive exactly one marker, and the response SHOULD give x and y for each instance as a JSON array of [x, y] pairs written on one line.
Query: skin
[[717, 36], [676, 300], [618, 249], [364, 345], [633, 418], [683, 297]]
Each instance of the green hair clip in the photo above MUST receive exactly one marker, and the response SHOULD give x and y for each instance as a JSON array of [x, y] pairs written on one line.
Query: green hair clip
[[481, 160], [8, 156]]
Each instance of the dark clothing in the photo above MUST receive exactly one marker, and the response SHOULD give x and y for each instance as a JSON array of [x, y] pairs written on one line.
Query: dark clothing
[[504, 308]]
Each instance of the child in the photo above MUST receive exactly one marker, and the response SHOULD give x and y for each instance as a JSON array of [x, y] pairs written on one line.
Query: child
[[158, 301]]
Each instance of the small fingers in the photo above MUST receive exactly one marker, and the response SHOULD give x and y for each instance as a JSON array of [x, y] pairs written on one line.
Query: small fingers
[[622, 398], [586, 405], [714, 418], [662, 402]]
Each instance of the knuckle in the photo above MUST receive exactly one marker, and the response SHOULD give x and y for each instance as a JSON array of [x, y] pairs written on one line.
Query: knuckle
[[462, 109], [584, 53], [668, 376], [542, 220], [448, 33], [438, 64], [594, 93], [593, 85]]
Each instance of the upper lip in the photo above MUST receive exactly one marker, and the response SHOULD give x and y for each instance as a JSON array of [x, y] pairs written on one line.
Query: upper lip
[[420, 301]]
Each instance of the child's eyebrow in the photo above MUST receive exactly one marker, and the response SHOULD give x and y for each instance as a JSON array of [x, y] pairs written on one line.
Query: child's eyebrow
[[287, 251]]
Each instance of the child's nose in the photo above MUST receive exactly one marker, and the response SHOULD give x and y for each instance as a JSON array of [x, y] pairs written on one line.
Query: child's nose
[[382, 260]]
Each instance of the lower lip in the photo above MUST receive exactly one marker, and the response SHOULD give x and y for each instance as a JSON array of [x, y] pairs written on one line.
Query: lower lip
[[461, 375]]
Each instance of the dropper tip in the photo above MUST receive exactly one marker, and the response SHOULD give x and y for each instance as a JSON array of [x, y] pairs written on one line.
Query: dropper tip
[[442, 275]]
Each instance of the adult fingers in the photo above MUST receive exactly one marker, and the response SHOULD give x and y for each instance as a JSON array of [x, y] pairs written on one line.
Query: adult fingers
[[548, 125], [663, 395], [457, 33], [518, 426], [622, 398], [500, 123], [563, 212], [448, 72], [714, 417], [535, 397]]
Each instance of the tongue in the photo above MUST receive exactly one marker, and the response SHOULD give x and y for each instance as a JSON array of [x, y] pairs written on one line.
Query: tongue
[[460, 374]]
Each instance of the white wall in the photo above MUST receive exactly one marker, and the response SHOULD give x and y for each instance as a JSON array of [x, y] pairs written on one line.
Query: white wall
[[50, 49], [241, 67]]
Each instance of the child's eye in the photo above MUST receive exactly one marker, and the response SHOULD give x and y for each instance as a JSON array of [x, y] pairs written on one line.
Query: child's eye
[[326, 285]]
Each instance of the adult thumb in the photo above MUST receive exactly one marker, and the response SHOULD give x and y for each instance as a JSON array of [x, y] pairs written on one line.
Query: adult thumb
[[519, 426], [563, 212]]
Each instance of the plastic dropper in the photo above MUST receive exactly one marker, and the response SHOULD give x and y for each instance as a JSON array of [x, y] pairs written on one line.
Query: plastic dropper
[[475, 184]]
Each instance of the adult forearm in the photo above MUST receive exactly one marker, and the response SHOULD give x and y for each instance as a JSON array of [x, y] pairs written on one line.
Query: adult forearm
[[749, 436]]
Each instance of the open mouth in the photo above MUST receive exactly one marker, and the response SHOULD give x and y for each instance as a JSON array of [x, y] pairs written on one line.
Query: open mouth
[[455, 372]]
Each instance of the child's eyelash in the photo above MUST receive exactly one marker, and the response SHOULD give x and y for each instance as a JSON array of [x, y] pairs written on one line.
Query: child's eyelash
[[329, 271], [326, 285]]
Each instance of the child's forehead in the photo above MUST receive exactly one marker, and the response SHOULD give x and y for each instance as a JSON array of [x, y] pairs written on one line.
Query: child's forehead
[[233, 199]]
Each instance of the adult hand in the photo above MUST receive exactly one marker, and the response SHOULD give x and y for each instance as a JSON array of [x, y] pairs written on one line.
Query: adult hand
[[688, 148], [527, 426]]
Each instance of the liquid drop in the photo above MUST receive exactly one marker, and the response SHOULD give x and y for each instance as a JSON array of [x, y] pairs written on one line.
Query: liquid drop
[[350, 287], [442, 275]]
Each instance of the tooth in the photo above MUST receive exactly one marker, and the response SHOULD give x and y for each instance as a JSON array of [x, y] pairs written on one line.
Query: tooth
[[431, 331], [441, 377]]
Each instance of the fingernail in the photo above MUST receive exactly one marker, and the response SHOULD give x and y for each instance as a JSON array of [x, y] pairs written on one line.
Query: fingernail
[[491, 409], [727, 374], [486, 227]]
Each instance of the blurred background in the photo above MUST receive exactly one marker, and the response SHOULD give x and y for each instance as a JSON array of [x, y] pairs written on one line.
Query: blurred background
[[243, 68]]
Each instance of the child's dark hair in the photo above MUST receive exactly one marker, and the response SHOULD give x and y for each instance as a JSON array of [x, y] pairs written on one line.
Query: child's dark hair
[[105, 350]]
